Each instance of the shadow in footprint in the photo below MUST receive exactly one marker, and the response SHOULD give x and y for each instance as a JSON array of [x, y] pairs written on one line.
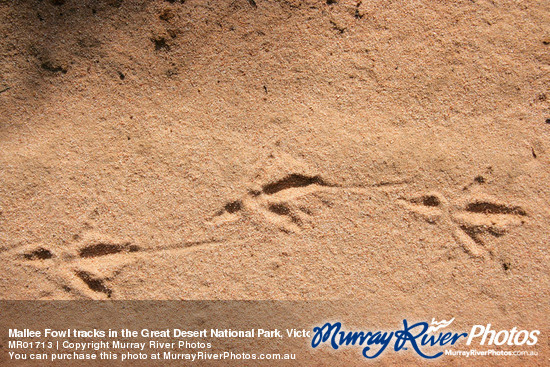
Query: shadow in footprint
[[95, 284]]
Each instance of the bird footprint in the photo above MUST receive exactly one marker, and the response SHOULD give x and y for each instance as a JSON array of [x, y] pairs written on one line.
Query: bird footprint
[[471, 223], [279, 203]]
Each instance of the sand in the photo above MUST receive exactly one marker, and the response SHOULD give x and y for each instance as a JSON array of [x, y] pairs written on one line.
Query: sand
[[284, 150]]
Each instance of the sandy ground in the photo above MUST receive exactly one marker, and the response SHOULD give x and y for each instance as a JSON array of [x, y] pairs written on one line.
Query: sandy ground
[[387, 151]]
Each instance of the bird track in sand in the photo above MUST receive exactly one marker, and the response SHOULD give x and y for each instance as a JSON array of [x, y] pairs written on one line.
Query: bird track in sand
[[277, 203], [481, 216], [80, 268]]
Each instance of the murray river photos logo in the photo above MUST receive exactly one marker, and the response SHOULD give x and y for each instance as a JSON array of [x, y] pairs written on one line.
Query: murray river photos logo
[[419, 337]]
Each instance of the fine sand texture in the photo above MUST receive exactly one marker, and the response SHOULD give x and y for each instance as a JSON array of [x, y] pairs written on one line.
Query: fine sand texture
[[396, 152]]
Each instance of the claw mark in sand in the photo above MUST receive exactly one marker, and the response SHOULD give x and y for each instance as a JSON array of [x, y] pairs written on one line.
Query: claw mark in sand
[[103, 249], [39, 253], [429, 206], [94, 283], [290, 181]]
